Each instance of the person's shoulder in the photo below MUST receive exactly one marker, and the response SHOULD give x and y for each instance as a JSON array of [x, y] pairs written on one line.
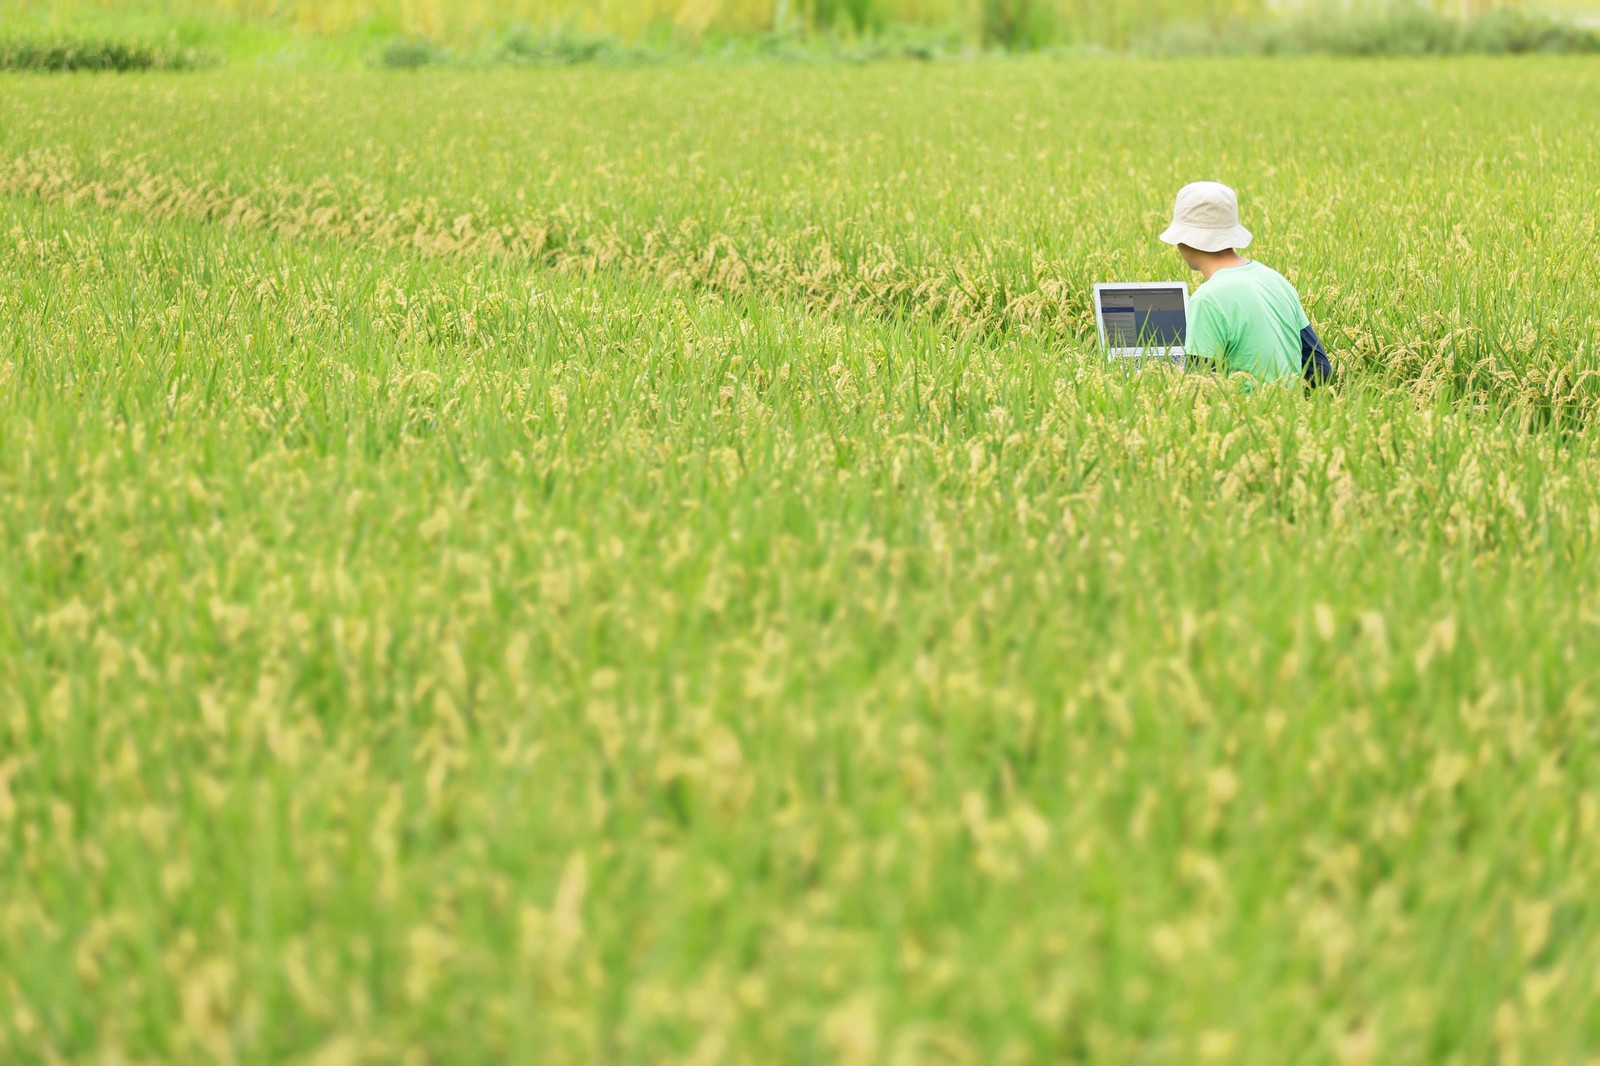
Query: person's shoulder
[[1284, 292], [1209, 303], [1273, 277], [1216, 293]]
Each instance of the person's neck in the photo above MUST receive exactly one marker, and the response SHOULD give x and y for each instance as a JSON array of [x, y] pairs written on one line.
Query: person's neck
[[1213, 262]]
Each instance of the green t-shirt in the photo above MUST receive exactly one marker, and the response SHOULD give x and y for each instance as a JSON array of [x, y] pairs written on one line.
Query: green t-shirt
[[1248, 319]]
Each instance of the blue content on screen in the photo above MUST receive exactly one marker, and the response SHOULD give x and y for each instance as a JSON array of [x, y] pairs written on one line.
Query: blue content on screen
[[1143, 318]]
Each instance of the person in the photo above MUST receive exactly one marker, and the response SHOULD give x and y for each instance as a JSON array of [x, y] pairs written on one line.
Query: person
[[1245, 317]]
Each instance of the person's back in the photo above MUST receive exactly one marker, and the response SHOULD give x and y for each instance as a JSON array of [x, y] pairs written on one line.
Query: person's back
[[1245, 317]]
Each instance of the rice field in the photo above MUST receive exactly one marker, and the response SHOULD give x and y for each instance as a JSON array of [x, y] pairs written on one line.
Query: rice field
[[637, 566]]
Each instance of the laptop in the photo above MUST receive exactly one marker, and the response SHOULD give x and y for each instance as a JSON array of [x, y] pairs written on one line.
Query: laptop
[[1142, 319]]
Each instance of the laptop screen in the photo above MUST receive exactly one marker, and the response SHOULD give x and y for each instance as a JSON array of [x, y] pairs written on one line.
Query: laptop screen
[[1143, 318]]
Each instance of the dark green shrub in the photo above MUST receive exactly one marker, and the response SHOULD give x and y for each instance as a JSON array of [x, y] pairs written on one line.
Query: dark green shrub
[[92, 54], [563, 46], [1517, 32], [409, 54], [1403, 32]]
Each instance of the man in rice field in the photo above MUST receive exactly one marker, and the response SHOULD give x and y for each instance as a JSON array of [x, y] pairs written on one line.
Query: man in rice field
[[1245, 317]]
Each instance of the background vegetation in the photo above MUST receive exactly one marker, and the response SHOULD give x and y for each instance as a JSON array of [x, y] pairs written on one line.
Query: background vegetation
[[929, 24]]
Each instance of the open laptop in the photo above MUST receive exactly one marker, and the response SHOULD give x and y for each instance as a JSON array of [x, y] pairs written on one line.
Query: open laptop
[[1142, 319]]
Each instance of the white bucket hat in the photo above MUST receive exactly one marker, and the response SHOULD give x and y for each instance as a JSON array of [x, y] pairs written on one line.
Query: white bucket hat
[[1206, 218]]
